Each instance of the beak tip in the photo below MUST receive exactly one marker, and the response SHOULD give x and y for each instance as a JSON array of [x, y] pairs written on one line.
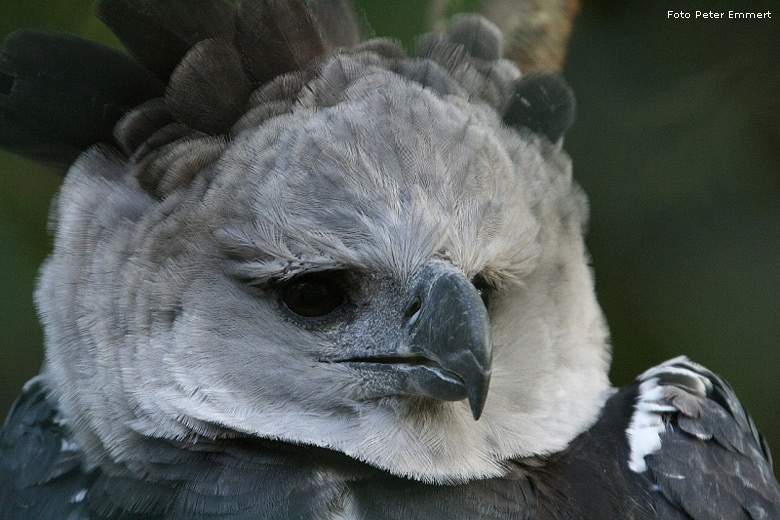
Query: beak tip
[[477, 401]]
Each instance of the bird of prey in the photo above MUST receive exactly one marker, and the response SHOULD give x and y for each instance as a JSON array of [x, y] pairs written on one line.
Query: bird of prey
[[302, 274]]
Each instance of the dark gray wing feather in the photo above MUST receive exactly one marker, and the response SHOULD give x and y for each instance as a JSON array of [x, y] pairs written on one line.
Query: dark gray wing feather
[[40, 472], [713, 462]]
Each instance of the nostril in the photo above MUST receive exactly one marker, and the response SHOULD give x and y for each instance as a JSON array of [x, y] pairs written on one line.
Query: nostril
[[414, 309], [483, 288]]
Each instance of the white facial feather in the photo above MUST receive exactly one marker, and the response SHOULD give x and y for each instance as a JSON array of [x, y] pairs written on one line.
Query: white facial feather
[[150, 333]]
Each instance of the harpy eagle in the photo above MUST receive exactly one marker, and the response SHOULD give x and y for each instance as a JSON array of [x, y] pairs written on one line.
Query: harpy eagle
[[297, 274]]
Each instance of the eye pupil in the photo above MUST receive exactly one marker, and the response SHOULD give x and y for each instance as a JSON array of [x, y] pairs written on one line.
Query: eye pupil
[[313, 296]]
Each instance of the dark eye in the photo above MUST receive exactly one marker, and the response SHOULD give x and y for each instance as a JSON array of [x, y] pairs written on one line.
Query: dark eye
[[483, 288], [314, 295]]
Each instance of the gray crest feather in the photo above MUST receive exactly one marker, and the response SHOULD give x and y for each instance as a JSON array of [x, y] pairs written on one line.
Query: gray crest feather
[[543, 103], [479, 37], [53, 105], [209, 89], [174, 166], [277, 36], [212, 55], [153, 156], [486, 80], [158, 33], [133, 129]]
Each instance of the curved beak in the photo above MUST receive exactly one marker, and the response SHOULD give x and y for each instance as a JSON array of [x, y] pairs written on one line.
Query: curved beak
[[448, 324]]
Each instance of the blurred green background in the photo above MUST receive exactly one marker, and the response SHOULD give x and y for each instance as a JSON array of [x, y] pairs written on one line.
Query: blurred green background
[[677, 143]]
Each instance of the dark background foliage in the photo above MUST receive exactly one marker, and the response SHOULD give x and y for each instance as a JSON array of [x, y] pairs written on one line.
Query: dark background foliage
[[677, 143]]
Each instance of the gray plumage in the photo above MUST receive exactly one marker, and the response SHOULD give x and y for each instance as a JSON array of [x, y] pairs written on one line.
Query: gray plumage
[[314, 277]]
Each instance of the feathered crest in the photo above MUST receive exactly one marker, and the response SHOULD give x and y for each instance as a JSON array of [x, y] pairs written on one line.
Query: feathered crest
[[204, 70]]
